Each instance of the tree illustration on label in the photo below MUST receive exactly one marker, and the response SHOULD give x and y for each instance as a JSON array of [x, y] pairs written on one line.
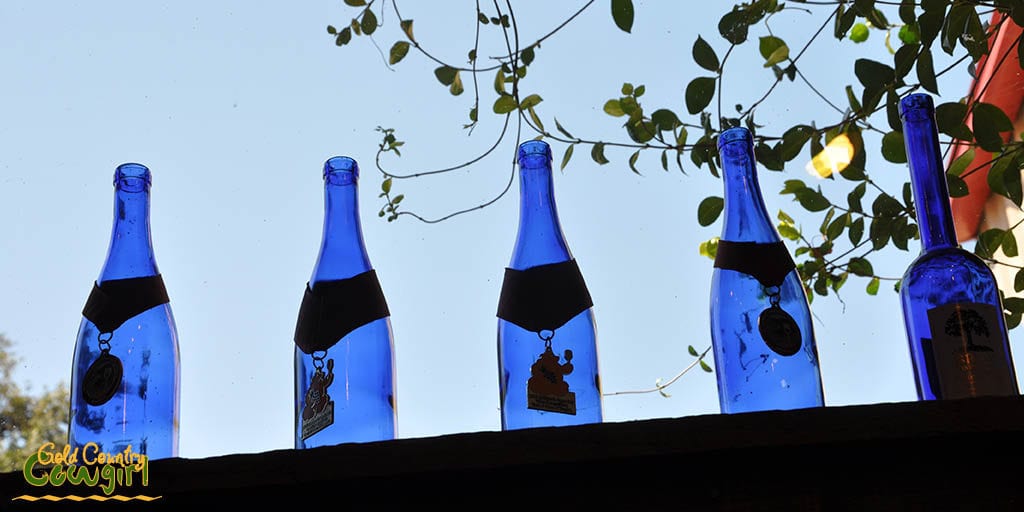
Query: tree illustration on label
[[546, 388], [318, 412], [966, 359]]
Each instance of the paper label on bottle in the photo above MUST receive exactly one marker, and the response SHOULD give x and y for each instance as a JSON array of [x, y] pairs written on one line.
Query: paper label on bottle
[[546, 390], [968, 351], [318, 411]]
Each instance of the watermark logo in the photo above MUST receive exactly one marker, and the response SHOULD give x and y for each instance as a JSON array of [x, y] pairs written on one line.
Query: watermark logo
[[87, 466]]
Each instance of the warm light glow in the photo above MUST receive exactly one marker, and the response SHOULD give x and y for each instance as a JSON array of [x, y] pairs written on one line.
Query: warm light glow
[[833, 158]]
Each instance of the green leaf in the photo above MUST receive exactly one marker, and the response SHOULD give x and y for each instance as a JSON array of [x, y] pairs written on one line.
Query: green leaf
[[873, 74], [789, 232], [812, 200], [504, 104], [733, 26], [369, 22], [926, 71], [989, 121], [1018, 280], [872, 287], [568, 154], [856, 231], [456, 87], [331, 30], [527, 56], [407, 28], [355, 3], [597, 153], [950, 118], [860, 267], [343, 37], [910, 34], [530, 101], [961, 162], [704, 366], [1009, 245], [893, 148], [563, 130], [666, 120], [704, 55], [859, 33], [622, 13], [385, 185], [398, 52], [614, 108], [709, 248], [699, 92], [445, 74], [773, 49], [692, 351], [957, 186], [709, 210], [632, 162]]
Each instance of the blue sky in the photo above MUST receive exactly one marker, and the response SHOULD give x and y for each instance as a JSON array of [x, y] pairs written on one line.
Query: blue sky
[[234, 106]]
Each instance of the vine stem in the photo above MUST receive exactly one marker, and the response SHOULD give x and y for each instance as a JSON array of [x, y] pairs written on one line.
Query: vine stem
[[660, 387]]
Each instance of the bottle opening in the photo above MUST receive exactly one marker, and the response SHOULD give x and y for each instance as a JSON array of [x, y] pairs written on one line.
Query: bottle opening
[[917, 107], [534, 153], [341, 170], [737, 134], [132, 177]]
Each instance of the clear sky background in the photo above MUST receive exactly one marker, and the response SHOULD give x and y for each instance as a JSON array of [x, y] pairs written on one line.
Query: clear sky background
[[235, 105]]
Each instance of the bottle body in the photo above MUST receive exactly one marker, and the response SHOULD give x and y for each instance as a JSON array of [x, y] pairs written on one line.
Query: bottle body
[[125, 378], [952, 310], [547, 335], [765, 352], [344, 350]]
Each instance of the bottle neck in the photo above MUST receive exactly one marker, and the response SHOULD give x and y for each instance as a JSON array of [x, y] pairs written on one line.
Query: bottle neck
[[746, 217], [131, 245], [928, 179], [540, 240], [342, 249]]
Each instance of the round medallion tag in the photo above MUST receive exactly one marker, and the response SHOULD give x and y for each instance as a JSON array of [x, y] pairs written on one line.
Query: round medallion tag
[[102, 379], [779, 331]]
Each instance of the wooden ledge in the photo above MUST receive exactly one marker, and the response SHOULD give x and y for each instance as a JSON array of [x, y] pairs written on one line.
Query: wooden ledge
[[950, 455]]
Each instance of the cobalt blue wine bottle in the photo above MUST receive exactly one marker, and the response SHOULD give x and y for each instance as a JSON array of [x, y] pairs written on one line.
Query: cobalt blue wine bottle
[[125, 378], [547, 342], [765, 351], [952, 310], [344, 348]]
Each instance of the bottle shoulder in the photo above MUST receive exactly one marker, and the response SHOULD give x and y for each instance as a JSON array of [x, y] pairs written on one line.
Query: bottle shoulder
[[947, 259]]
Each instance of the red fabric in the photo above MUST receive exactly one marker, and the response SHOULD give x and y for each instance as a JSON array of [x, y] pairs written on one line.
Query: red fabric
[[1005, 90]]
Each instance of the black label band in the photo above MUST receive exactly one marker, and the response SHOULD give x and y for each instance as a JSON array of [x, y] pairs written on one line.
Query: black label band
[[544, 297], [768, 263], [332, 309], [115, 301]]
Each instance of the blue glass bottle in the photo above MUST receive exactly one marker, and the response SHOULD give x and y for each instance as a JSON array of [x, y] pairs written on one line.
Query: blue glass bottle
[[344, 352], [547, 341], [125, 378], [765, 350], [952, 310]]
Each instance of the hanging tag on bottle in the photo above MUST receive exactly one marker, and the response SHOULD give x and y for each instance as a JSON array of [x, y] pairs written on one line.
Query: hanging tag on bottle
[[109, 305], [546, 389], [768, 263], [104, 375], [318, 410]]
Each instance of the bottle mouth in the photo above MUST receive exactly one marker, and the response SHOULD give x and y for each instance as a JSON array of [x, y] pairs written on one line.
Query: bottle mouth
[[341, 170], [737, 134], [917, 107], [534, 153], [132, 177]]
